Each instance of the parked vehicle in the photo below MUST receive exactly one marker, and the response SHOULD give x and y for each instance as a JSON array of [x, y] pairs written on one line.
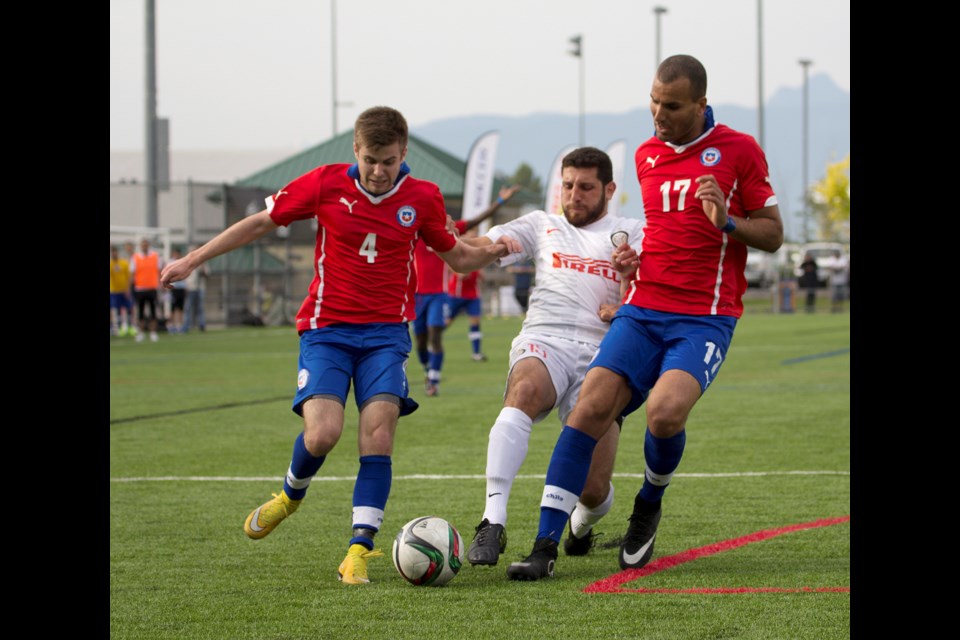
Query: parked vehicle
[[760, 270]]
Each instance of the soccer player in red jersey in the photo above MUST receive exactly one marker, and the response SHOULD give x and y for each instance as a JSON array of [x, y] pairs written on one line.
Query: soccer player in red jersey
[[353, 321], [464, 293], [707, 197], [440, 297]]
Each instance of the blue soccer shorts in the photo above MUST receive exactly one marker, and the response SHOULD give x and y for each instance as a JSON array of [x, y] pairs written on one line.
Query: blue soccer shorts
[[472, 307], [372, 356], [642, 344], [432, 310]]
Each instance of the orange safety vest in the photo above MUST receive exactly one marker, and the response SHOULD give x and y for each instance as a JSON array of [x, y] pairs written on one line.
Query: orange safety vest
[[146, 270]]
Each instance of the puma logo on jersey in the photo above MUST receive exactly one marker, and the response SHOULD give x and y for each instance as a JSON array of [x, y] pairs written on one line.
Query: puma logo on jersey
[[549, 231], [652, 161], [349, 204], [272, 200]]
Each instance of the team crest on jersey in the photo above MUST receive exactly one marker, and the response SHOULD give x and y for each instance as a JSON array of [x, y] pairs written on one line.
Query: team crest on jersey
[[302, 376], [406, 215], [710, 157], [618, 238]]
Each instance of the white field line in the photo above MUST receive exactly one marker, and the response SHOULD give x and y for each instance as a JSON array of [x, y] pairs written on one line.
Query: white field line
[[740, 474]]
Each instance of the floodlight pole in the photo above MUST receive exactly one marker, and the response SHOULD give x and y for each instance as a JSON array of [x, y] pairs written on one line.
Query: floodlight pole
[[577, 52], [150, 152], [760, 72], [657, 11], [336, 104], [805, 135], [333, 61]]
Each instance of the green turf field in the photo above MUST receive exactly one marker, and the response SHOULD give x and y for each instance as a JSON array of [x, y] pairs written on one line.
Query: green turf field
[[201, 433]]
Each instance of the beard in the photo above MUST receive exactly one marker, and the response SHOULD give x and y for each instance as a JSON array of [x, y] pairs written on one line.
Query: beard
[[582, 220]]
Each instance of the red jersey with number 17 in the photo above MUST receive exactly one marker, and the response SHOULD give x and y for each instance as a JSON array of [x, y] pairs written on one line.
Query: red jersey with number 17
[[687, 265], [363, 261]]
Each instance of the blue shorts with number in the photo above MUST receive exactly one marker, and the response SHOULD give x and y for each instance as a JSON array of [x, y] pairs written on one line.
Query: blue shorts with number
[[470, 305], [432, 309], [642, 344], [374, 356]]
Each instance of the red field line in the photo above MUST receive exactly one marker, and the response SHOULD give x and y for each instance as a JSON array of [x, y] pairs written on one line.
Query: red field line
[[613, 584]]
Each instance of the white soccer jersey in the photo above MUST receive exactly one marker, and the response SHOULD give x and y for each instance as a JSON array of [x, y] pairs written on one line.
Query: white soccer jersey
[[574, 273]]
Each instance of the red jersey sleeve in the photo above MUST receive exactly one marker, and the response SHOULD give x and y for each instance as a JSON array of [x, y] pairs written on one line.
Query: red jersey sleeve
[[298, 200]]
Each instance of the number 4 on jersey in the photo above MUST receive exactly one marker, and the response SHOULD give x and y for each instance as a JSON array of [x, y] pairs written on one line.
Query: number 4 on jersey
[[369, 248]]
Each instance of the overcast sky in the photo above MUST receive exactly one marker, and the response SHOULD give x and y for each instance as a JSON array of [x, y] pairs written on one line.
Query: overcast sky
[[251, 74]]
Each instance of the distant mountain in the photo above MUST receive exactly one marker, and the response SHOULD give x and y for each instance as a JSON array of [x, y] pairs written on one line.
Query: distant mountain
[[537, 138]]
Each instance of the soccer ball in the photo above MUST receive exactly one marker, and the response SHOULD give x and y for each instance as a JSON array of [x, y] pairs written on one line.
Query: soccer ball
[[428, 551]]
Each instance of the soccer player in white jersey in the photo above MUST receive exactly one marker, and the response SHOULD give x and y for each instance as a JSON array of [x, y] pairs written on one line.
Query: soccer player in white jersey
[[353, 323], [706, 197], [579, 285]]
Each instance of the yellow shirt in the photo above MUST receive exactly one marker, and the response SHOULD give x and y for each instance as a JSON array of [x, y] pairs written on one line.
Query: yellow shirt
[[119, 276]]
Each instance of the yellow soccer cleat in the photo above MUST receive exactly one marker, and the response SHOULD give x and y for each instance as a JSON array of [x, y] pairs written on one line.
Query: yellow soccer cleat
[[267, 516], [353, 569]]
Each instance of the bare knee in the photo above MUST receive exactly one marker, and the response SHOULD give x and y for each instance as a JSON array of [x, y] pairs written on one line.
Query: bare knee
[[666, 419], [319, 441]]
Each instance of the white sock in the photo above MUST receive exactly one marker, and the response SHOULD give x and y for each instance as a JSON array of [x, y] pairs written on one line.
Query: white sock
[[583, 518], [506, 450]]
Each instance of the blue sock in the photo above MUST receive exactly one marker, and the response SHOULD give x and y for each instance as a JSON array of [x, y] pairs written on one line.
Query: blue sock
[[566, 476], [475, 337], [436, 363], [370, 495], [662, 456], [303, 467]]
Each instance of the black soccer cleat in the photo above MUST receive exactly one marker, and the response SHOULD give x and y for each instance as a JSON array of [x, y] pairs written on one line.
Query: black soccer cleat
[[539, 564], [574, 546], [636, 548], [488, 543]]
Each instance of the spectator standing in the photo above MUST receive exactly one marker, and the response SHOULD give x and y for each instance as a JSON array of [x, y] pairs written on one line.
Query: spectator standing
[[146, 280], [129, 249], [121, 304], [178, 298], [809, 281], [196, 284], [839, 281]]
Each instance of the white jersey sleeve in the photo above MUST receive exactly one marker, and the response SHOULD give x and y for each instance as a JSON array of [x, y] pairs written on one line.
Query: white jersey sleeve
[[574, 275]]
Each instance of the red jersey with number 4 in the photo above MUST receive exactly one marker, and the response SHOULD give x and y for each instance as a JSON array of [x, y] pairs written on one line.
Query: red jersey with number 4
[[687, 265], [363, 261]]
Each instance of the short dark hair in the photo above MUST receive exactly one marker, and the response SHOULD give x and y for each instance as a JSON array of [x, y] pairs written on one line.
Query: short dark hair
[[683, 66], [590, 157], [380, 127]]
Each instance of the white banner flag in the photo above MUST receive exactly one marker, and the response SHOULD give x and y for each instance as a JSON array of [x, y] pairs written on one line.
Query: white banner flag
[[478, 181], [552, 202], [618, 154]]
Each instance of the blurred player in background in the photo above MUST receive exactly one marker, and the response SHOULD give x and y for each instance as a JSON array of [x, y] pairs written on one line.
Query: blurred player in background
[[120, 303], [464, 290], [145, 269], [433, 300]]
